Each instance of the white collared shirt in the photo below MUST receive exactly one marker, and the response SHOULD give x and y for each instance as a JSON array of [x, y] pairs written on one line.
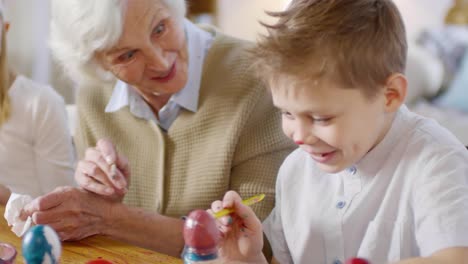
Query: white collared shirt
[[198, 42], [407, 197]]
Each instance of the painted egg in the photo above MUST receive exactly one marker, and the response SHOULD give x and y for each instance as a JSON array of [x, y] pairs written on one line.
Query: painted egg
[[41, 245], [200, 231], [357, 261]]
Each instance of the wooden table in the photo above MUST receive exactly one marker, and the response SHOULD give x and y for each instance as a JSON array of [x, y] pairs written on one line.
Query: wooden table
[[91, 248]]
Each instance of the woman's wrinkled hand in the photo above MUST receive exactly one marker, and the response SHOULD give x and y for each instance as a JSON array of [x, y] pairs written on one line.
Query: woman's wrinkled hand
[[103, 171], [72, 212]]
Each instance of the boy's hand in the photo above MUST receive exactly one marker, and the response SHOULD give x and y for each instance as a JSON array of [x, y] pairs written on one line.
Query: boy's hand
[[241, 232]]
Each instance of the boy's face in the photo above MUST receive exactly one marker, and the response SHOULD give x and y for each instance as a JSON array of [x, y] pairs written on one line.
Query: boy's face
[[335, 126]]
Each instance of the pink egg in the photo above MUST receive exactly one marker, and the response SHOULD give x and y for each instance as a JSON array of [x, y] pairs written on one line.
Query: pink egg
[[200, 231]]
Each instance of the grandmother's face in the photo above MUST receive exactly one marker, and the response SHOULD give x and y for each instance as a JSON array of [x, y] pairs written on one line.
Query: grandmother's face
[[151, 55]]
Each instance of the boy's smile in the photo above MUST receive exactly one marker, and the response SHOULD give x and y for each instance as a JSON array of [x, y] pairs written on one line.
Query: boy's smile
[[336, 126], [322, 157]]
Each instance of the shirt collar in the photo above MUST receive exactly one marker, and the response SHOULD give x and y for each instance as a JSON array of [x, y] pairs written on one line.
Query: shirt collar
[[374, 159], [198, 43]]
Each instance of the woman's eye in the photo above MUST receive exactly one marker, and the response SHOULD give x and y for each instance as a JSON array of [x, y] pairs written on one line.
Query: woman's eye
[[126, 56], [159, 29]]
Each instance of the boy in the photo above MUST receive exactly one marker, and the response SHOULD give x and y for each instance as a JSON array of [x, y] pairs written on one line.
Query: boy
[[370, 178]]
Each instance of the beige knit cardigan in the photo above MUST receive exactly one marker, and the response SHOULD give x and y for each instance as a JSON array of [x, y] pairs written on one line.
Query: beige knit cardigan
[[233, 142]]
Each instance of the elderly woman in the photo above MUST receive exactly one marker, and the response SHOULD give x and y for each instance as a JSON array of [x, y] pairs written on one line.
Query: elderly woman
[[179, 101], [36, 151]]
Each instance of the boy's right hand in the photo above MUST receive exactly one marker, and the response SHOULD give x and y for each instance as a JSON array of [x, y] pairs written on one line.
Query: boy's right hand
[[241, 232], [103, 171]]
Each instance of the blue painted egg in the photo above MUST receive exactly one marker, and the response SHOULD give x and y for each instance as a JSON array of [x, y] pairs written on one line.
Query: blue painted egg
[[41, 245]]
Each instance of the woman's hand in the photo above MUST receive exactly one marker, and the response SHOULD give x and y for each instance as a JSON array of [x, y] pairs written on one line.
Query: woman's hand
[[241, 232], [72, 212], [103, 171]]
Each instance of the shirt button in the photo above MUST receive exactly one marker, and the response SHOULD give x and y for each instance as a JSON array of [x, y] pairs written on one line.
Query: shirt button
[[352, 170], [337, 261], [340, 204]]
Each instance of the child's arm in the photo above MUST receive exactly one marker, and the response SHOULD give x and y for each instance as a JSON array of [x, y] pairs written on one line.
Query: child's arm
[[454, 255], [241, 232]]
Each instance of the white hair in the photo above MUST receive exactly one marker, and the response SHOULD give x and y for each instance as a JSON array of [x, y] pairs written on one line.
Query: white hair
[[80, 28]]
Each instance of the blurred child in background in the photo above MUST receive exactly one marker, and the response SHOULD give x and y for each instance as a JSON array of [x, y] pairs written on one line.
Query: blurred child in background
[[36, 151]]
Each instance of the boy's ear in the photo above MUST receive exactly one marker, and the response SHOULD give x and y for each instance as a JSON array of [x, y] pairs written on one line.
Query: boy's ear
[[395, 91], [7, 26]]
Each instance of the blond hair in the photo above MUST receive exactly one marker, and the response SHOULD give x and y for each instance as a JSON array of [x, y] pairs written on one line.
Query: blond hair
[[4, 82], [357, 43]]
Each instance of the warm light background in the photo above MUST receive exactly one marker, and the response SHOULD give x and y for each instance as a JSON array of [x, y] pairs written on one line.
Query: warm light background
[[27, 39]]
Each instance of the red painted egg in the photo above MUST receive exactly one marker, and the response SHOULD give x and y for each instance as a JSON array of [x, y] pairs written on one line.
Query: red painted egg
[[357, 261], [200, 231], [99, 261]]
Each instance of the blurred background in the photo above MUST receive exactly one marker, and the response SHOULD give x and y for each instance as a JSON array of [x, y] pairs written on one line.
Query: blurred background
[[436, 29]]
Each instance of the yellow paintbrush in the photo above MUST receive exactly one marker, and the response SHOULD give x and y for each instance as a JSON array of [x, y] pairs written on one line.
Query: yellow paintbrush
[[248, 202]]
